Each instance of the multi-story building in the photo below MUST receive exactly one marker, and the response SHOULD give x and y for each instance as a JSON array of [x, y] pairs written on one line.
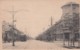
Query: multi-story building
[[67, 27]]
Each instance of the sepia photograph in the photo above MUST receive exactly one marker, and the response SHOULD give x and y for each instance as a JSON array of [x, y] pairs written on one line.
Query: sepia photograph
[[40, 24]]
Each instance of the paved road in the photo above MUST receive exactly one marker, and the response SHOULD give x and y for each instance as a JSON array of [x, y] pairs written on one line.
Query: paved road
[[36, 45]]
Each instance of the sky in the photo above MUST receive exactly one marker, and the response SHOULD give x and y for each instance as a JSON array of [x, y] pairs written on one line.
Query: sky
[[33, 16]]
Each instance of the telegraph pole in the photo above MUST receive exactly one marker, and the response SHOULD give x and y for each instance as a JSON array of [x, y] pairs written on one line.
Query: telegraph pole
[[51, 26], [13, 12], [13, 42], [13, 21], [51, 21]]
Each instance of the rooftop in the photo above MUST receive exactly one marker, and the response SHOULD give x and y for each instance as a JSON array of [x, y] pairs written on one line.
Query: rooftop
[[69, 4]]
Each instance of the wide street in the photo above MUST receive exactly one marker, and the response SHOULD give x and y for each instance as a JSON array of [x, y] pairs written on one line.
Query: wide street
[[36, 45]]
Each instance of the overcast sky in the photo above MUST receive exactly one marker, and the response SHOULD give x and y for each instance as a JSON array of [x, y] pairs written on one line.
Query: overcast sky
[[33, 16]]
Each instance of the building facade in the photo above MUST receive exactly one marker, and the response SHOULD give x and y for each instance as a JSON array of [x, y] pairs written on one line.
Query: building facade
[[67, 28]]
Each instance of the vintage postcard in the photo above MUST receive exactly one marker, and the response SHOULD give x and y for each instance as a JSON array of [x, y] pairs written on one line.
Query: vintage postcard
[[39, 24]]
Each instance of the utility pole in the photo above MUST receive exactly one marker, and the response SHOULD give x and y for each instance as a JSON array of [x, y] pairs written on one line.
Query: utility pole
[[51, 31], [13, 21], [13, 12], [51, 21]]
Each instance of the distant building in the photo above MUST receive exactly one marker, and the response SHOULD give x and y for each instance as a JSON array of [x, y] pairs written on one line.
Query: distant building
[[8, 33]]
